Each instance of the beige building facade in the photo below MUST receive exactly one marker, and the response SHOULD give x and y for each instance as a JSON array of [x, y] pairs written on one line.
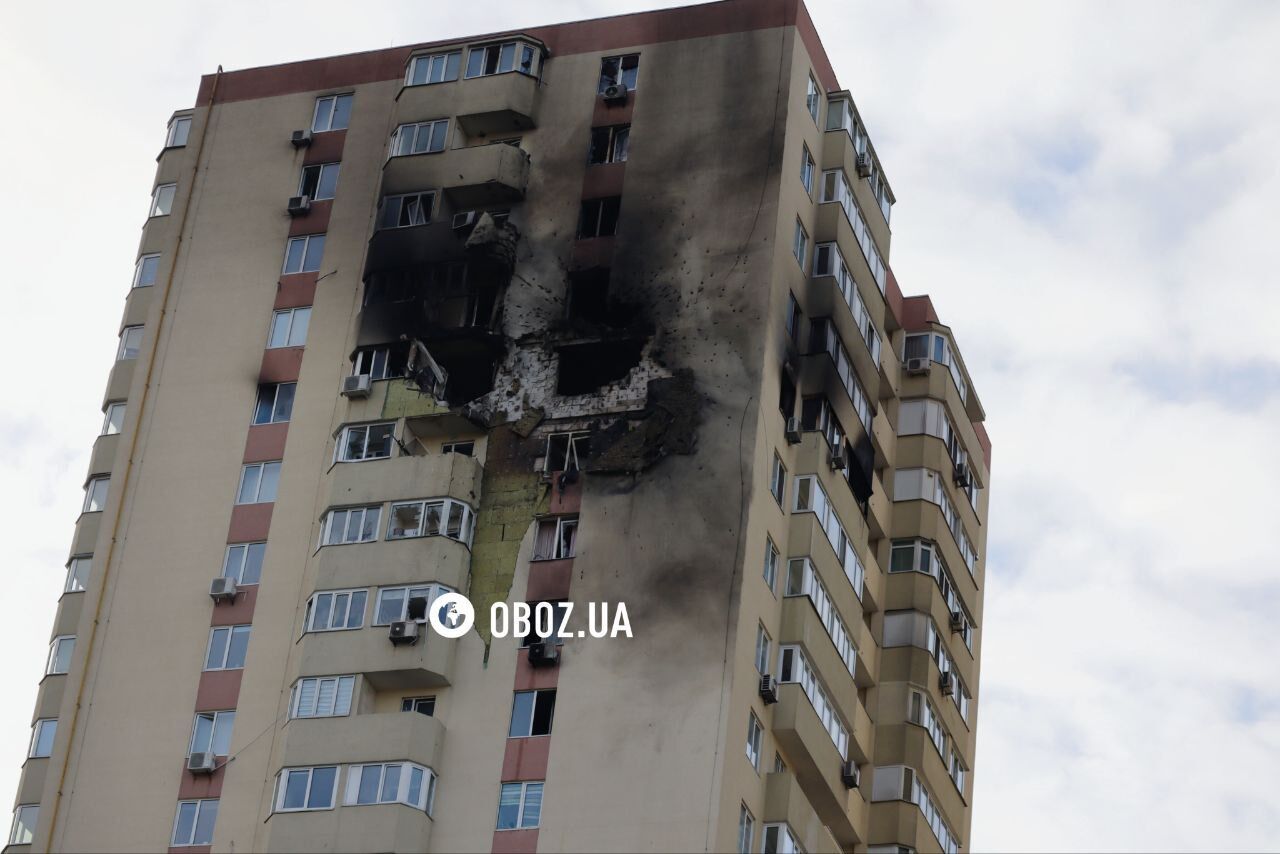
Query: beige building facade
[[596, 314]]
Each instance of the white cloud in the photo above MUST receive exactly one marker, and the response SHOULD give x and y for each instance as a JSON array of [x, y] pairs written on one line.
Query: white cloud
[[1085, 188]]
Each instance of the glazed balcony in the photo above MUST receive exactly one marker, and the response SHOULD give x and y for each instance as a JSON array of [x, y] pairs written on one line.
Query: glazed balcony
[[471, 177]]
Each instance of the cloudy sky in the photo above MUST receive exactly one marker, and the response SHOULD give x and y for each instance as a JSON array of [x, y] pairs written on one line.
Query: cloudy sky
[[1087, 190]]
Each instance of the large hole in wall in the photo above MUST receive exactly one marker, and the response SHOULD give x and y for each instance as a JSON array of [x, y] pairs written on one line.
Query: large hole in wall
[[584, 368]]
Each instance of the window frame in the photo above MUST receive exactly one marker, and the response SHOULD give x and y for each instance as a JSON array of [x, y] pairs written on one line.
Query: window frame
[[396, 142], [39, 739], [433, 589], [414, 704], [755, 740], [764, 649], [262, 470], [746, 829], [602, 206], [520, 49], [162, 198], [55, 655], [772, 558], [800, 243], [813, 98], [343, 444], [562, 522], [232, 632], [541, 698], [296, 697], [280, 411], [172, 132], [220, 724], [612, 135], [326, 527], [333, 111], [620, 75], [403, 785], [92, 496], [22, 830], [807, 169], [282, 788], [113, 408], [321, 172], [194, 839], [426, 211], [140, 266], [307, 241], [466, 521], [429, 59], [74, 573], [132, 333], [522, 804], [778, 480], [291, 316], [352, 594], [239, 573]]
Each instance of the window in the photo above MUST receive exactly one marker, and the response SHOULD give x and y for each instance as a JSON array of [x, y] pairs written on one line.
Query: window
[[61, 649], [803, 580], [929, 485], [25, 817], [531, 713], [923, 556], [95, 494], [770, 564], [609, 144], [78, 574], [619, 69], [900, 783], [130, 343], [431, 518], [433, 68], [956, 768], [289, 327], [406, 603], [211, 733], [335, 610], [937, 348], [913, 628], [501, 58], [763, 644], [599, 217], [258, 483], [193, 825], [333, 112], [817, 414], [419, 138], [827, 261], [407, 210], [43, 733], [299, 789], [421, 705], [351, 525], [392, 783], [322, 697], [779, 767], [366, 442], [243, 562], [800, 243], [545, 623], [113, 419], [144, 272], [303, 254], [380, 363], [519, 805], [179, 130], [319, 182], [806, 169], [835, 188], [824, 338], [793, 318], [162, 199], [812, 97], [275, 403], [921, 711], [778, 839], [566, 451], [754, 734], [778, 479], [556, 539], [746, 829], [794, 667], [227, 648], [466, 449], [812, 498]]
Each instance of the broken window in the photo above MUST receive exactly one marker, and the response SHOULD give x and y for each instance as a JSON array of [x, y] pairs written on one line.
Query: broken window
[[556, 538], [609, 144], [567, 451], [319, 181], [787, 394], [583, 368], [380, 363], [466, 449], [599, 217], [816, 414], [366, 442], [275, 403], [793, 318], [407, 210], [588, 297], [431, 518], [406, 603], [501, 58], [619, 69]]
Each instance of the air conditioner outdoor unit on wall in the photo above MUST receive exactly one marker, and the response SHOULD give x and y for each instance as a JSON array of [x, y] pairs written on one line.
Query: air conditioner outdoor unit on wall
[[918, 365], [947, 684], [839, 461], [403, 632], [850, 775], [768, 689], [300, 138], [615, 93], [544, 654], [793, 430], [863, 165], [356, 385], [298, 205], [222, 589], [202, 763]]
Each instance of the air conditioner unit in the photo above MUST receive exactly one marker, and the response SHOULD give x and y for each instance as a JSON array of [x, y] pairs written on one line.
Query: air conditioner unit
[[298, 205], [222, 589], [863, 165], [544, 654], [839, 461], [540, 464], [300, 138], [202, 763], [403, 632], [465, 219], [793, 430], [947, 684], [356, 385], [918, 365], [615, 93], [964, 478], [768, 689], [850, 775], [957, 621]]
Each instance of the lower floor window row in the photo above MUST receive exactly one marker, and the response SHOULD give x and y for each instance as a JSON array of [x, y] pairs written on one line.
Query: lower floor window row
[[315, 788], [794, 667], [900, 783]]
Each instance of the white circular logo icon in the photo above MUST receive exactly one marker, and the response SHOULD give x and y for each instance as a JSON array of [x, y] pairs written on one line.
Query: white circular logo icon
[[452, 615]]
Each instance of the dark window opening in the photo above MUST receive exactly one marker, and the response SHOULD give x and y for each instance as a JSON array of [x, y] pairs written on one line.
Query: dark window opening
[[859, 472], [421, 705], [586, 367], [382, 361], [599, 217], [793, 319], [787, 395], [619, 69], [589, 295], [609, 144]]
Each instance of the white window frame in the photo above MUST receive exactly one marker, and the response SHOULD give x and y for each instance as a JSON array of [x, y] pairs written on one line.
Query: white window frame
[[611, 147], [829, 261], [55, 655], [422, 205], [343, 445], [444, 528], [326, 530], [96, 491], [162, 200], [794, 666], [779, 838], [572, 455], [813, 98], [539, 697], [835, 188], [803, 580], [231, 633], [800, 243], [307, 241], [778, 480], [331, 101], [260, 470], [755, 739], [130, 341], [811, 497], [275, 411], [79, 569], [926, 558], [307, 698], [140, 266], [621, 75], [282, 786], [430, 592], [113, 418], [525, 786], [179, 131], [746, 829], [193, 839], [455, 447], [321, 173], [433, 61], [764, 647], [221, 724], [520, 52], [23, 828], [559, 549], [807, 169], [353, 600], [234, 568], [416, 704], [404, 779], [292, 320], [38, 730], [825, 338], [404, 138]]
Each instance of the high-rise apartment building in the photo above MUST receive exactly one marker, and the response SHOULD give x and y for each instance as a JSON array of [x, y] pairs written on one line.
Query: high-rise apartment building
[[598, 312]]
